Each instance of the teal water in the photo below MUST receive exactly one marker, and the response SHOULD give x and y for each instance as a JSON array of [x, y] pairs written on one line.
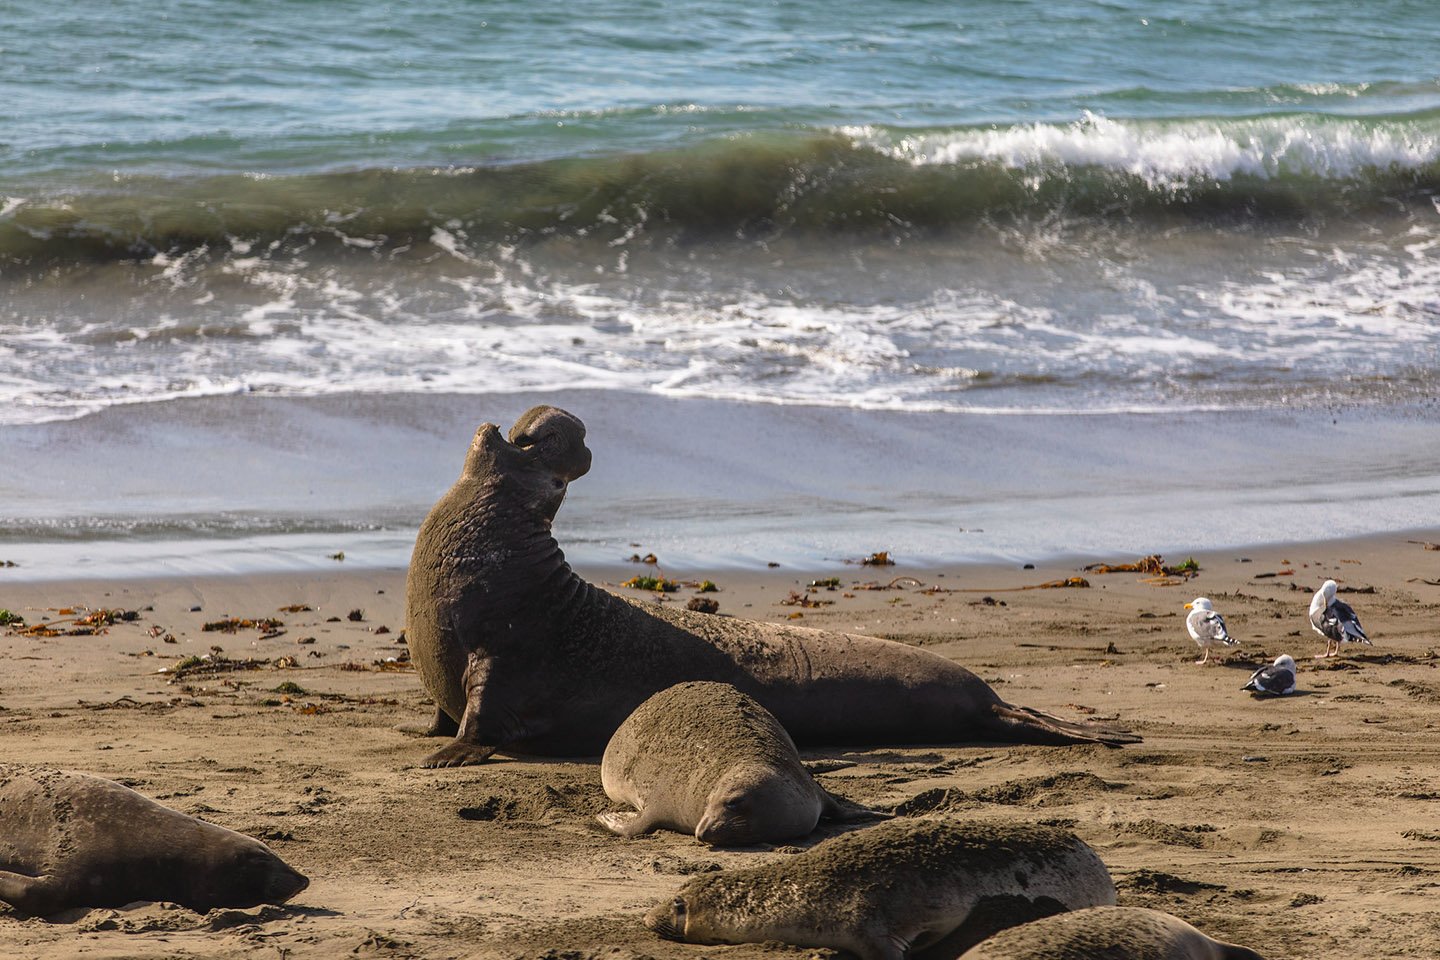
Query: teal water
[[987, 209]]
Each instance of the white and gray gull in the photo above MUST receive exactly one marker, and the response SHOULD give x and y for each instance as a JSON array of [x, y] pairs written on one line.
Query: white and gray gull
[[1335, 620], [1277, 678], [1207, 628]]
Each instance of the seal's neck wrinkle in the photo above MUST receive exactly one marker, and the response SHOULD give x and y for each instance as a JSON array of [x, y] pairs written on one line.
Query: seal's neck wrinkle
[[505, 549]]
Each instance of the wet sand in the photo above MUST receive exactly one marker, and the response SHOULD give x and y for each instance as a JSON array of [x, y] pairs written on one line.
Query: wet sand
[[1304, 827]]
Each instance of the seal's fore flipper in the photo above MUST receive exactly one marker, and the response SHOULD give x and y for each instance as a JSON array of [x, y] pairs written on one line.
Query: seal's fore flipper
[[840, 810], [440, 726], [37, 896], [459, 753], [628, 825]]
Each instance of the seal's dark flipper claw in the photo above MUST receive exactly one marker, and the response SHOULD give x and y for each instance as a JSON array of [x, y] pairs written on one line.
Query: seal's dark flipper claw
[[459, 753]]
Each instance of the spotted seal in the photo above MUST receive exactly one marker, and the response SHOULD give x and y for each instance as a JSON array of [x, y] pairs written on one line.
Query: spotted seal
[[886, 890], [520, 653], [1115, 933], [704, 758], [71, 840]]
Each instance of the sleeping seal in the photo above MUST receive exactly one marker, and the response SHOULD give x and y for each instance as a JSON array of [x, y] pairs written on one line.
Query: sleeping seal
[[70, 840], [703, 758], [1115, 933], [520, 653], [886, 890]]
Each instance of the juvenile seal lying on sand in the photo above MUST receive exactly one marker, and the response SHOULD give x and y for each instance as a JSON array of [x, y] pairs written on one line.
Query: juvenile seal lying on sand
[[703, 758], [884, 891], [1114, 933], [70, 840], [519, 652]]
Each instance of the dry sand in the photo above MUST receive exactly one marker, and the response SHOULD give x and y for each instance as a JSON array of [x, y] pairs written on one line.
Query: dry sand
[[1306, 827]]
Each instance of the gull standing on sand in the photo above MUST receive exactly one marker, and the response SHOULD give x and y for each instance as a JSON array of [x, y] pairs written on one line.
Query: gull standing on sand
[[1278, 678], [1334, 620], [1207, 628]]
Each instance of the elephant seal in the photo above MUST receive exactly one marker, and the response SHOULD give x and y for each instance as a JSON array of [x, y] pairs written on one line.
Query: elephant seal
[[520, 653], [71, 840], [884, 891], [1115, 933], [703, 758]]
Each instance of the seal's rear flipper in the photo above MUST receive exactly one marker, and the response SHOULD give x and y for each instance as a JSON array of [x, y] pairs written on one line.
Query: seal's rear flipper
[[37, 896], [1026, 725], [840, 810], [628, 825]]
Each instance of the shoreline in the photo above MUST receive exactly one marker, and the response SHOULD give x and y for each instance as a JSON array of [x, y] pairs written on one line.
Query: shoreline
[[250, 484]]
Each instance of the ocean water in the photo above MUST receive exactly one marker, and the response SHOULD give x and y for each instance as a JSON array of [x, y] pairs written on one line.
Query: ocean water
[[996, 208]]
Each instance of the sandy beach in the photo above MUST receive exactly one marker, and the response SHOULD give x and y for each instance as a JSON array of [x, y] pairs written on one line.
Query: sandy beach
[[1303, 827]]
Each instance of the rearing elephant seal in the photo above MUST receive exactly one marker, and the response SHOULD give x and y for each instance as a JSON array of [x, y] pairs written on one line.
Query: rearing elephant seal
[[703, 758], [886, 890], [70, 840], [1114, 933], [519, 652]]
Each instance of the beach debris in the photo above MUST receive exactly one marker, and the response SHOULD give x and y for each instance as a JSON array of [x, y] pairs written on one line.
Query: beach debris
[[266, 625], [658, 584], [1425, 544], [1433, 583], [828, 583], [706, 586], [85, 625], [291, 688], [1154, 565], [892, 585], [9, 619], [649, 558], [772, 564], [8, 563], [305, 640], [296, 608], [355, 616], [798, 599], [880, 559], [339, 557], [209, 663], [381, 630], [703, 605]]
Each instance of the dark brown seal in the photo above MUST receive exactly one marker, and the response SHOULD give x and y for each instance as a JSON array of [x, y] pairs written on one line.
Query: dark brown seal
[[1114, 933], [888, 890], [519, 652], [703, 758], [70, 840]]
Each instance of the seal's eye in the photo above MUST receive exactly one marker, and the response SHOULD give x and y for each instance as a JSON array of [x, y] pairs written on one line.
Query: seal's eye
[[524, 441], [734, 803]]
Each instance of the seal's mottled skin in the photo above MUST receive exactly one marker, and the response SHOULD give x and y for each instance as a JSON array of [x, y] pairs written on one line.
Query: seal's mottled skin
[[70, 840], [704, 758], [518, 652], [884, 891], [1111, 933]]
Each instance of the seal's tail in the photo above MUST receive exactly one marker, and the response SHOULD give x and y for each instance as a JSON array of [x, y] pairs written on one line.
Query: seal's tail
[[1026, 725]]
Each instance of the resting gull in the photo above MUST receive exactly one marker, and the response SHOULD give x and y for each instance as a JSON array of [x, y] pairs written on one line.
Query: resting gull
[[1207, 628], [1334, 620], [1278, 678]]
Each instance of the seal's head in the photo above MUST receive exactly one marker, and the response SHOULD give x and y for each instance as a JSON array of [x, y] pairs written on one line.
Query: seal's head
[[711, 910], [545, 451], [245, 873], [758, 803]]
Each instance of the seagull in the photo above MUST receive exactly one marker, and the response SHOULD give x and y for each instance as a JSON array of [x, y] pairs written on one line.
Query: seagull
[[1207, 628], [1334, 620], [1278, 678]]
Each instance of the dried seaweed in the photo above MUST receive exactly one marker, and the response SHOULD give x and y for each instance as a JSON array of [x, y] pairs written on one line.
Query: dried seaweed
[[236, 624], [657, 584]]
